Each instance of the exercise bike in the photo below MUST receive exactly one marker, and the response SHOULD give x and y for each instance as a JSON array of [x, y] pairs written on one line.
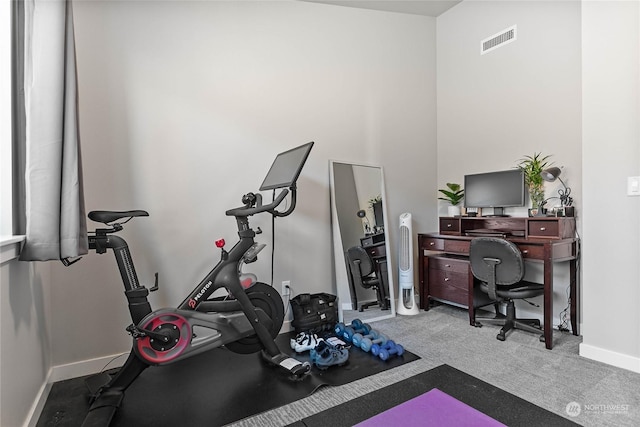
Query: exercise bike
[[245, 320]]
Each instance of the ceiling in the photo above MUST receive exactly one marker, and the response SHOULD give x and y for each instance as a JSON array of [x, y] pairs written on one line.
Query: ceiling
[[414, 7]]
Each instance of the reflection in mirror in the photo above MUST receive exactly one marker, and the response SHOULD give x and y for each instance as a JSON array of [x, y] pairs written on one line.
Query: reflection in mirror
[[363, 271]]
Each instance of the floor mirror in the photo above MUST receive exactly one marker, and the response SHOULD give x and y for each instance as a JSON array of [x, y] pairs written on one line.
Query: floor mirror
[[360, 243]]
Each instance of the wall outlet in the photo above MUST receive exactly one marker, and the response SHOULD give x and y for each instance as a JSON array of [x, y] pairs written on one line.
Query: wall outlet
[[633, 186], [286, 288]]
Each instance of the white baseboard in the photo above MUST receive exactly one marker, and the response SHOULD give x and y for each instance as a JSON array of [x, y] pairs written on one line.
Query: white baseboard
[[86, 367], [609, 357], [68, 371], [99, 364], [38, 404]]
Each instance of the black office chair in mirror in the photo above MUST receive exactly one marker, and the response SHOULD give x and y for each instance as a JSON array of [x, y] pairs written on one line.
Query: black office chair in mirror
[[363, 271]]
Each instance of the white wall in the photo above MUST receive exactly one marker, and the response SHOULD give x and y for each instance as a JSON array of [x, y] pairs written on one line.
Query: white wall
[[184, 105], [517, 100], [611, 153], [24, 339]]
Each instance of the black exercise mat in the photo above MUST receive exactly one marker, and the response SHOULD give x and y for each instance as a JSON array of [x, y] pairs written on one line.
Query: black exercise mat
[[492, 401], [210, 389]]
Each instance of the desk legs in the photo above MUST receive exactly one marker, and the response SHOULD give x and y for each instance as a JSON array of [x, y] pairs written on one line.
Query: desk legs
[[548, 295], [573, 295], [423, 278], [471, 303], [548, 299]]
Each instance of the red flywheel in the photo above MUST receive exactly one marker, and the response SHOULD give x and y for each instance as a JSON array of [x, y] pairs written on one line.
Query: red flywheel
[[170, 325]]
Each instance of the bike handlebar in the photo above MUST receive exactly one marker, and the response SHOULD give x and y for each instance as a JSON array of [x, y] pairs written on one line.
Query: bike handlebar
[[248, 210]]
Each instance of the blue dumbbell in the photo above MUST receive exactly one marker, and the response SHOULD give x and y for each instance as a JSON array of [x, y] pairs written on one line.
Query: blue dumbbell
[[350, 331], [367, 343], [339, 329], [357, 323], [375, 349], [358, 338], [385, 352]]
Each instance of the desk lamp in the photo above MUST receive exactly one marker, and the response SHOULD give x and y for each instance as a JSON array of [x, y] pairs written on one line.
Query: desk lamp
[[367, 227], [550, 175]]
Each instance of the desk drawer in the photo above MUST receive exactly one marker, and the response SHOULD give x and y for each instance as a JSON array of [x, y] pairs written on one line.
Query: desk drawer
[[543, 228], [376, 251], [449, 264], [448, 279], [449, 286], [532, 251], [449, 226], [432, 244], [457, 246]]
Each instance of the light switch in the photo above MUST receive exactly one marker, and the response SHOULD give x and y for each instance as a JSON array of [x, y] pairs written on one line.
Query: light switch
[[633, 186]]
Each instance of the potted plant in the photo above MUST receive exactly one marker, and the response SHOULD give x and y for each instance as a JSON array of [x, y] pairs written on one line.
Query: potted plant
[[375, 204], [453, 194], [532, 166]]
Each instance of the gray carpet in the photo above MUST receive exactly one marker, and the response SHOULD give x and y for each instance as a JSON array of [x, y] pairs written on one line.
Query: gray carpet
[[551, 379]]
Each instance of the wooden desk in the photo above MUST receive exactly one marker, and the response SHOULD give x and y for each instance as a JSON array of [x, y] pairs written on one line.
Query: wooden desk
[[445, 273]]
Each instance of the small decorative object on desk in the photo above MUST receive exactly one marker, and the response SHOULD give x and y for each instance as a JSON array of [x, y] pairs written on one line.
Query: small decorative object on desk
[[532, 166], [453, 194]]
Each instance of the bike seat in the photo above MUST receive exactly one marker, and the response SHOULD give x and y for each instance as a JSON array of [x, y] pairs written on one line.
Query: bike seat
[[106, 217]]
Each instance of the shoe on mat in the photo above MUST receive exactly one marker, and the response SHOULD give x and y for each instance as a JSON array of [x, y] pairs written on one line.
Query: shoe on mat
[[304, 342], [325, 355]]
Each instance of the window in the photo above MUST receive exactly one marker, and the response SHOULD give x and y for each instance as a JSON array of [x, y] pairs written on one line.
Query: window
[[5, 117], [9, 244]]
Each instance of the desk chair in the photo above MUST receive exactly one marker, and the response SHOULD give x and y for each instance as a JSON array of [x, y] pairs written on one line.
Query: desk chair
[[499, 266], [363, 273]]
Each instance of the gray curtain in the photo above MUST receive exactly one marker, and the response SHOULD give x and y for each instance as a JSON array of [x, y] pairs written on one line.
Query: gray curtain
[[54, 202]]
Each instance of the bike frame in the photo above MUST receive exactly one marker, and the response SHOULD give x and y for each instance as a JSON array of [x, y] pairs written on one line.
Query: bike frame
[[224, 275], [196, 307]]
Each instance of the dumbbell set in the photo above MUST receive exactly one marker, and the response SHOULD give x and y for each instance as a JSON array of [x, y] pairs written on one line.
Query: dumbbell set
[[347, 332], [366, 338]]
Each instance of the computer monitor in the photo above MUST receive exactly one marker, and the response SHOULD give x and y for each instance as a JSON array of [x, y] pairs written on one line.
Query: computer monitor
[[286, 168], [496, 190]]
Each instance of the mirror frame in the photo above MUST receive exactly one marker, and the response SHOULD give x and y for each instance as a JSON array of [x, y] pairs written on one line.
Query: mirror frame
[[339, 265]]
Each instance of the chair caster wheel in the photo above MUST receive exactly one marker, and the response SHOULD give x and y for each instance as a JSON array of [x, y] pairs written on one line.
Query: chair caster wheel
[[500, 337], [542, 338]]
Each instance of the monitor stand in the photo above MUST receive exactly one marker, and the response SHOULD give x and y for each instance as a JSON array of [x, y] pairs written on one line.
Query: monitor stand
[[497, 213]]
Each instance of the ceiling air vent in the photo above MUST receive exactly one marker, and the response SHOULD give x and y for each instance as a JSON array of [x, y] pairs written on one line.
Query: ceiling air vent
[[498, 40]]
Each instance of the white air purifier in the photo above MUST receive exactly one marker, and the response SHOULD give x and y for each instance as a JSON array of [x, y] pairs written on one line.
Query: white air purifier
[[407, 299]]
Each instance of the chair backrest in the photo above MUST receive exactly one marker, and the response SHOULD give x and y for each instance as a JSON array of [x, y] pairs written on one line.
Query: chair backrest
[[503, 254], [359, 260]]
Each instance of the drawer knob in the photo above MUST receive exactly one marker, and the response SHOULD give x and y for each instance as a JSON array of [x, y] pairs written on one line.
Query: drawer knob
[[543, 228], [431, 243], [526, 251], [448, 225], [446, 279], [448, 265]]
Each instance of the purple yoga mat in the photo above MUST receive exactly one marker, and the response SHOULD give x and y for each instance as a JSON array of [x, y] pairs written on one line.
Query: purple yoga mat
[[433, 408]]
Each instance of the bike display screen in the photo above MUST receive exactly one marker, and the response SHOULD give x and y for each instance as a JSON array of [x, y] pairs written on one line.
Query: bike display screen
[[286, 168]]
